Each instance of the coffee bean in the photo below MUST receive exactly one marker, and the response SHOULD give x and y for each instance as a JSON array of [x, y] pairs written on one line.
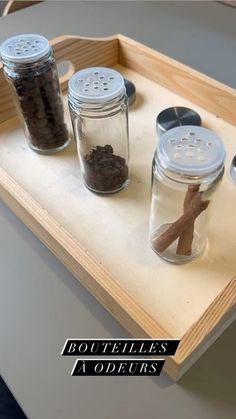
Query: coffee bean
[[40, 115], [41, 105], [28, 84], [108, 148]]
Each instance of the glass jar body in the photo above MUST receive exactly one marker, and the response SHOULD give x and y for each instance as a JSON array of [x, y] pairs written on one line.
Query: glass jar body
[[180, 213], [36, 92], [102, 137]]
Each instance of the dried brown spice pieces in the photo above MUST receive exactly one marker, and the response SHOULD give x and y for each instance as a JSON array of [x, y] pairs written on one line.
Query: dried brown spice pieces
[[42, 109], [103, 170]]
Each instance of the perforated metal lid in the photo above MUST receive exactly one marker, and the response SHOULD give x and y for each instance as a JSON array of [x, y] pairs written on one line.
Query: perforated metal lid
[[24, 48], [191, 150], [96, 84]]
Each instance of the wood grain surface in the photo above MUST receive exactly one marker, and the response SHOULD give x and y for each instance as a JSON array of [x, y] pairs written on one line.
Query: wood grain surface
[[104, 241]]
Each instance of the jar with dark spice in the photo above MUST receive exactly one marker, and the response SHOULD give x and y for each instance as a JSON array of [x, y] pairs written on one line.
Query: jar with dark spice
[[99, 113], [187, 169], [30, 69]]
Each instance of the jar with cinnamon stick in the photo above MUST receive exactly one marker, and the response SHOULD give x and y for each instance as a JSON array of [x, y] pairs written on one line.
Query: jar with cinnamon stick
[[187, 168]]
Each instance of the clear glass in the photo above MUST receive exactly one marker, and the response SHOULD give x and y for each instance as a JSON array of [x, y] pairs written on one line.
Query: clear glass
[[180, 213], [102, 136], [36, 91]]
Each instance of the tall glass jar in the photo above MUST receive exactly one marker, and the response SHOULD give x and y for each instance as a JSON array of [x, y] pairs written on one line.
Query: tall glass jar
[[30, 69], [187, 168], [99, 113]]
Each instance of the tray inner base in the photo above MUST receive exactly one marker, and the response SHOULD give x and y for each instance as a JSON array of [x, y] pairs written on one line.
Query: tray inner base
[[114, 229]]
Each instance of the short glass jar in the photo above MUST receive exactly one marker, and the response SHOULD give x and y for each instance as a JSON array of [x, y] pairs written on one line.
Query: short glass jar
[[187, 168], [30, 69], [99, 114]]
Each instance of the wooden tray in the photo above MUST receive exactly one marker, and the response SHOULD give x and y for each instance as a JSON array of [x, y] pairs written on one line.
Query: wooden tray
[[103, 241]]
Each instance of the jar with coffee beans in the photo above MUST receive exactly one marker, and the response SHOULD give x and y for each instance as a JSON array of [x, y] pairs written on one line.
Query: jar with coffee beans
[[99, 113], [30, 69]]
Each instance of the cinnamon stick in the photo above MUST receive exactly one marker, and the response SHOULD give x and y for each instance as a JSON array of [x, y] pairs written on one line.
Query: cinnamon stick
[[162, 242], [186, 238]]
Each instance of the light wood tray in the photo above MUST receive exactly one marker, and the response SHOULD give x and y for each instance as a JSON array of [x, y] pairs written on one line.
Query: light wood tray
[[103, 241]]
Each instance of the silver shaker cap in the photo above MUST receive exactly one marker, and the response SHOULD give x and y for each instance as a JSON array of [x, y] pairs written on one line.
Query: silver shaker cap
[[25, 48], [193, 151], [96, 85]]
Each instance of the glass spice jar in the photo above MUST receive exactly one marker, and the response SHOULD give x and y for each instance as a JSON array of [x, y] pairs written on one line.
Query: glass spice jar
[[30, 69], [99, 114], [187, 168]]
